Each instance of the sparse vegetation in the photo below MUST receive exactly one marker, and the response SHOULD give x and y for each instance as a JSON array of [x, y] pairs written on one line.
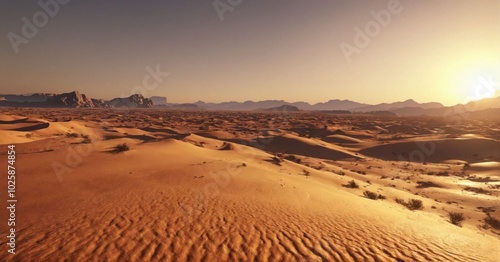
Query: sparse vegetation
[[400, 201], [415, 204], [226, 146], [477, 190], [373, 195], [412, 204], [306, 173], [121, 148], [351, 184], [86, 139], [276, 160], [71, 135], [492, 222], [456, 218], [293, 158], [29, 135], [426, 184]]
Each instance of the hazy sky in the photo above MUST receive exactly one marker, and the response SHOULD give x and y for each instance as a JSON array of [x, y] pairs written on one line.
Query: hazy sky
[[291, 50]]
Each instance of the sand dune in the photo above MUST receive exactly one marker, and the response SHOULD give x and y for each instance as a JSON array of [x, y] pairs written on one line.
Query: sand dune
[[341, 139], [179, 197], [470, 150], [291, 144]]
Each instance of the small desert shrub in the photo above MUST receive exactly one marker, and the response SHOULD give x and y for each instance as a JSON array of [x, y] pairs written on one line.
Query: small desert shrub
[[352, 184], [370, 194], [456, 218], [71, 135], [86, 139], [293, 158], [443, 173], [400, 201], [306, 173], [121, 147], [426, 184], [226, 146], [493, 222], [29, 135], [412, 204], [415, 204], [477, 190], [373, 195]]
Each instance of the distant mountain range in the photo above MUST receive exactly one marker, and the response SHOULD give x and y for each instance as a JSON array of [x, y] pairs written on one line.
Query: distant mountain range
[[251, 105], [73, 100], [489, 107]]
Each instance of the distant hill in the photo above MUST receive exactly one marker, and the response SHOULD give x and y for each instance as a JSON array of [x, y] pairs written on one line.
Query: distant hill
[[133, 101], [283, 108], [73, 99], [159, 100], [485, 108], [474, 106], [485, 103], [396, 105], [186, 106], [37, 97], [251, 105], [337, 105]]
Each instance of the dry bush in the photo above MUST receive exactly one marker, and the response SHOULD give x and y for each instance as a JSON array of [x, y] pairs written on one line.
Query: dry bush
[[415, 204], [293, 158], [373, 195], [86, 139], [121, 148], [477, 190], [426, 184], [72, 135], [351, 184], [493, 222], [226, 146], [456, 218], [412, 204]]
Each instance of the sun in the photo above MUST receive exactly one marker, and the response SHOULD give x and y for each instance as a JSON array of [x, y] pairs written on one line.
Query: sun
[[476, 81]]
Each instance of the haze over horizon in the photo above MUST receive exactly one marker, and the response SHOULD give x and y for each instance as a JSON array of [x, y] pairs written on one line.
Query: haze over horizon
[[285, 50]]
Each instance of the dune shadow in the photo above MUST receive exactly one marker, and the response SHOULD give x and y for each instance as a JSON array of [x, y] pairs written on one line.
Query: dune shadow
[[437, 151], [286, 145], [17, 121], [32, 128]]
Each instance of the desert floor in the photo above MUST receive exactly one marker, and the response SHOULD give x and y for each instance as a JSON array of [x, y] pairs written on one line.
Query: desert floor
[[249, 186]]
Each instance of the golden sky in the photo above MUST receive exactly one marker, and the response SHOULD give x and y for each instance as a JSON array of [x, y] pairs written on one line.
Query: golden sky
[[291, 50]]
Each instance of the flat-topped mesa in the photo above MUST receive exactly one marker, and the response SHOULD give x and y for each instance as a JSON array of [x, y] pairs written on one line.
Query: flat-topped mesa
[[72, 99], [159, 100], [133, 101]]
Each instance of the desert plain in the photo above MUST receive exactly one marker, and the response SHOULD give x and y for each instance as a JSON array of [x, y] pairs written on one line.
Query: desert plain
[[172, 185]]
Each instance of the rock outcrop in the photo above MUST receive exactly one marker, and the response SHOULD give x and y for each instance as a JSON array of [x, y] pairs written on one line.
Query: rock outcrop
[[133, 101], [72, 99]]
